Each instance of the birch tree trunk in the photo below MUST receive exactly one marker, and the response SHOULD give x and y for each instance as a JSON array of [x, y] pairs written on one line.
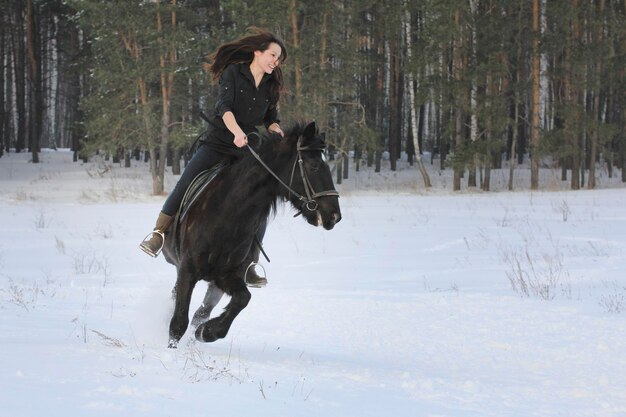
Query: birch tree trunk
[[410, 81]]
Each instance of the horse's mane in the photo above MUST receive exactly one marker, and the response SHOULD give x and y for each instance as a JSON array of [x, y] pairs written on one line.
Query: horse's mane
[[274, 150], [271, 147]]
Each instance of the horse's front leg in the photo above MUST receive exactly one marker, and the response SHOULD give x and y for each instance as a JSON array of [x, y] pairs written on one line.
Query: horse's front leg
[[211, 298], [218, 327], [185, 284]]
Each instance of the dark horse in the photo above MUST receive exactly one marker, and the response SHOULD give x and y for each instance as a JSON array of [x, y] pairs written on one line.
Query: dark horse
[[213, 240]]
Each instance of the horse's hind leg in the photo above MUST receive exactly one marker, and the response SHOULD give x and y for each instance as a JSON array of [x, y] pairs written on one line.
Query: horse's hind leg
[[180, 320], [211, 298], [218, 327]]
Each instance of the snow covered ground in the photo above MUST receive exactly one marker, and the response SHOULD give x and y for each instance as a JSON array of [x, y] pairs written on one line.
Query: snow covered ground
[[419, 303]]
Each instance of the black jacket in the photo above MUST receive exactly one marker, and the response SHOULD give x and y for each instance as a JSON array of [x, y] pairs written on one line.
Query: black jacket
[[251, 106]]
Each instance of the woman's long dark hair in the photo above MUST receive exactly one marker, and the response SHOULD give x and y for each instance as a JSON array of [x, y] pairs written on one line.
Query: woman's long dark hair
[[242, 51]]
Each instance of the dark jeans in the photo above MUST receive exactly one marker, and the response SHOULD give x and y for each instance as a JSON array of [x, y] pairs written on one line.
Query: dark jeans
[[203, 159]]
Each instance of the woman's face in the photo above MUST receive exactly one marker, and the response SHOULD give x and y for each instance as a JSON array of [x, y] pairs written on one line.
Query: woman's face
[[268, 59]]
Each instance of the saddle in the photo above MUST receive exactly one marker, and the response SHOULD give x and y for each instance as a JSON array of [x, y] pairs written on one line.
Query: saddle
[[199, 183]]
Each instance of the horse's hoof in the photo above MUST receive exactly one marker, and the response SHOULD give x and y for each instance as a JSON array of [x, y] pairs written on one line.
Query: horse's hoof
[[173, 344], [204, 334]]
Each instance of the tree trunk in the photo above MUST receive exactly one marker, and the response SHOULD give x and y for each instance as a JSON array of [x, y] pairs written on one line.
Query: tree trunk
[[458, 112], [487, 158], [622, 147], [3, 89], [297, 69], [596, 99], [512, 158], [574, 98], [167, 56], [176, 155], [622, 135], [471, 177], [19, 72], [411, 89], [534, 131], [339, 166], [421, 123], [323, 58], [394, 100], [75, 89], [34, 83], [511, 103]]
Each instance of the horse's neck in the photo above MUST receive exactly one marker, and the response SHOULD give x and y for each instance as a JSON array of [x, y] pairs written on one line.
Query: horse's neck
[[280, 163]]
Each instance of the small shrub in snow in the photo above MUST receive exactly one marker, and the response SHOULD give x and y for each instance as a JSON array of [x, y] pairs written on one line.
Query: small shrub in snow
[[613, 303], [90, 264], [615, 300], [16, 296], [562, 208], [41, 220], [60, 245], [108, 340], [200, 368], [105, 232], [538, 275]]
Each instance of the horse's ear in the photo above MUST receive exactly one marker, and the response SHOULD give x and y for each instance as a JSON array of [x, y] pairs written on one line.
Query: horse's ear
[[309, 131]]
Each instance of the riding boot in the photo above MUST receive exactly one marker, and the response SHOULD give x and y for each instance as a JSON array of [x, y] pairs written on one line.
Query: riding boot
[[252, 278], [153, 243]]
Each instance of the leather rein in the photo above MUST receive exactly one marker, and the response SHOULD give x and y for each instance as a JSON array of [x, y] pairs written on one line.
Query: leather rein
[[308, 201]]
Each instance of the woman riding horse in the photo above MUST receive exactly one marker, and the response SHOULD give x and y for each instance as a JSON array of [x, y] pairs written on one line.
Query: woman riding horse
[[212, 239], [250, 82]]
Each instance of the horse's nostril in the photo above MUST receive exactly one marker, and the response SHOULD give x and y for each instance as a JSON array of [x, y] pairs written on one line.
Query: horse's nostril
[[336, 217]]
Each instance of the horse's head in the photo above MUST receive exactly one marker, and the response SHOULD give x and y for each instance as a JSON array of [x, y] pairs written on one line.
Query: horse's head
[[311, 179]]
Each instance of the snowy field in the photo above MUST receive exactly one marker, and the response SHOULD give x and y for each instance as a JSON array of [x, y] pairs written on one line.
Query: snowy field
[[419, 303]]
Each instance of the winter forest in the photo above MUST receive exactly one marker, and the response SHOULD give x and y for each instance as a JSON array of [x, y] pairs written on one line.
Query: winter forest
[[439, 294], [475, 85]]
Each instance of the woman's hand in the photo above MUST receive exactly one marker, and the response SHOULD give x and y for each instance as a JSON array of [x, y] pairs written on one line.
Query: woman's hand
[[275, 127], [240, 140]]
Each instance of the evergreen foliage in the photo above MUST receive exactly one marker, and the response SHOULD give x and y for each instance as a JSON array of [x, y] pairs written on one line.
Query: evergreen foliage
[[122, 76]]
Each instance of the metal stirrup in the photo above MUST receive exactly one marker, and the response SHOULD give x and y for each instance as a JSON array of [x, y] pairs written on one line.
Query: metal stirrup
[[157, 252]]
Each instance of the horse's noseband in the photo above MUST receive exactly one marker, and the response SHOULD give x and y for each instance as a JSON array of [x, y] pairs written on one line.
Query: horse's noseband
[[309, 202]]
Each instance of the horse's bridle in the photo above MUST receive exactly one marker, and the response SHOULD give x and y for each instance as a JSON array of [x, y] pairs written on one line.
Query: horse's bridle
[[309, 201]]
